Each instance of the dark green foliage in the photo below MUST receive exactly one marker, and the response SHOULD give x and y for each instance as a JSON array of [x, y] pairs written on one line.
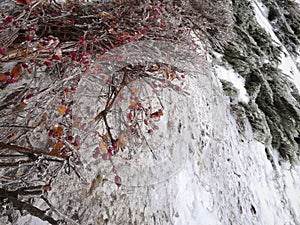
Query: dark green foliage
[[274, 101]]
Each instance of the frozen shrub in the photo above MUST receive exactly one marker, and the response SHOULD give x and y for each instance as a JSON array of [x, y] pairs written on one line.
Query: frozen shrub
[[47, 48]]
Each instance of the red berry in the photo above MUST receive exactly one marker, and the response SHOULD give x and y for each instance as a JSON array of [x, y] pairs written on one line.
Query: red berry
[[29, 96], [68, 111], [77, 140], [64, 154], [70, 138], [130, 116], [96, 153], [118, 181], [143, 32], [2, 51], [28, 38], [122, 39], [51, 133], [13, 80], [114, 145], [106, 156], [73, 55], [31, 29], [55, 57], [25, 66], [3, 78], [47, 63], [8, 20]]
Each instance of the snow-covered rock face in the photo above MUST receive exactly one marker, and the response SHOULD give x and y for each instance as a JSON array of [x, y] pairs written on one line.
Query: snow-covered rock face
[[233, 172]]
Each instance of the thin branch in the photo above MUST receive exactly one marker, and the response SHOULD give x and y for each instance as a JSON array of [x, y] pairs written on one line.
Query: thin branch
[[27, 150], [20, 205]]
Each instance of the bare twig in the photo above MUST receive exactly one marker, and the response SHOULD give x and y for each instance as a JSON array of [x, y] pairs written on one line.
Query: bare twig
[[27, 150]]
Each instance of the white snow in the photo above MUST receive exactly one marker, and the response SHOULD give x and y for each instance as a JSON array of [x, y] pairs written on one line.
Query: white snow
[[218, 191], [238, 82], [31, 220]]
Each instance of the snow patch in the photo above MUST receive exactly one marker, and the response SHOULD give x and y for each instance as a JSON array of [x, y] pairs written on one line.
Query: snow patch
[[289, 68], [31, 220], [238, 82]]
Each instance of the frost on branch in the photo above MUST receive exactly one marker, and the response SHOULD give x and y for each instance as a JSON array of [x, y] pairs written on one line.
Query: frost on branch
[[126, 130], [99, 77]]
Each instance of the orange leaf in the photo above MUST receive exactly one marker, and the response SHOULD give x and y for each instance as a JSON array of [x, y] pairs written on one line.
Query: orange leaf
[[58, 130], [126, 33], [133, 105], [29, 70], [44, 117], [103, 147], [172, 75], [122, 140], [156, 115], [134, 91], [58, 146], [12, 137], [62, 109], [105, 137], [106, 15], [16, 71], [154, 68], [23, 104], [3, 77], [146, 122], [166, 70]]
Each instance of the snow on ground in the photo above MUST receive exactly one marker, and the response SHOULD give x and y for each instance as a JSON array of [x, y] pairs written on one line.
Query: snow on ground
[[288, 64]]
